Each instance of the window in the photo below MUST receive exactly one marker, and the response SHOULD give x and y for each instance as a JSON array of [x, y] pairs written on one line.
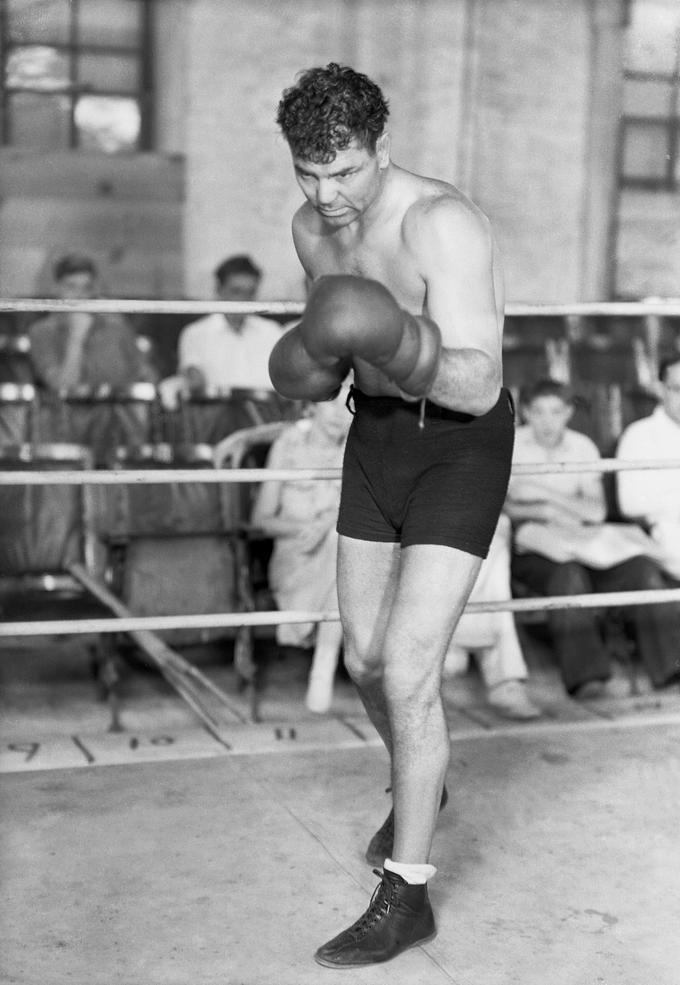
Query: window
[[650, 133], [76, 74]]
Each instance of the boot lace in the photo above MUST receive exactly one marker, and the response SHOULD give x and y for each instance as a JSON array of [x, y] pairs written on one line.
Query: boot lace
[[382, 901]]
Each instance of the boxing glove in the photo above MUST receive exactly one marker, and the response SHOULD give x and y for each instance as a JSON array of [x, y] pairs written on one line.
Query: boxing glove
[[349, 317], [297, 376]]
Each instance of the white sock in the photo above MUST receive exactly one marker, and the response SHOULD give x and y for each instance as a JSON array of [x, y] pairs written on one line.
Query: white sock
[[415, 873]]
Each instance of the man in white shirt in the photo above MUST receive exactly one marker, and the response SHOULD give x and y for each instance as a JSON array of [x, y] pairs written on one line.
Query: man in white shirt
[[226, 352], [652, 497], [555, 515]]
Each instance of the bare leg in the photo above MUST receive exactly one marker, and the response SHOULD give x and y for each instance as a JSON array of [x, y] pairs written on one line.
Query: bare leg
[[367, 577], [399, 610], [434, 584]]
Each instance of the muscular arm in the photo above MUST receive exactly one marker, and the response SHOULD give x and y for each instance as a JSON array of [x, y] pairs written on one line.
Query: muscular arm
[[433, 274], [453, 245]]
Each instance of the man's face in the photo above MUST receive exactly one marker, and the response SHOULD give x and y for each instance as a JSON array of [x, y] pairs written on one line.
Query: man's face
[[76, 286], [670, 392], [239, 287], [344, 189], [548, 417]]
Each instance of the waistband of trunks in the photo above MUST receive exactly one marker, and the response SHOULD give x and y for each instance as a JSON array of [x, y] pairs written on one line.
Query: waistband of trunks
[[382, 404]]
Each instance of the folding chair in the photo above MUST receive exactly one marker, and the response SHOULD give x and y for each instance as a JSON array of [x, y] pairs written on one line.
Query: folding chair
[[44, 530], [247, 448], [18, 414]]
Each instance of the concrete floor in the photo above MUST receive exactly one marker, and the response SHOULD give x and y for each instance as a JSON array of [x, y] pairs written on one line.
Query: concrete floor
[[168, 856]]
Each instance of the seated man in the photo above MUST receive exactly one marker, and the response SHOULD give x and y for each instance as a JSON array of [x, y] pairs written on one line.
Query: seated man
[[563, 547], [225, 352], [491, 637], [76, 349], [301, 516], [80, 354], [653, 496]]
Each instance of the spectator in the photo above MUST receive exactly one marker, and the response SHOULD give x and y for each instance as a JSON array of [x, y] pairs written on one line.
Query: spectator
[[81, 349], [86, 364], [563, 547], [300, 515], [492, 636], [652, 497], [225, 352]]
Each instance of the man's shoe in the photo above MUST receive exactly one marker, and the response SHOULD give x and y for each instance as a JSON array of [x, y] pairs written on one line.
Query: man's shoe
[[589, 691], [382, 843], [510, 699], [613, 688], [399, 916]]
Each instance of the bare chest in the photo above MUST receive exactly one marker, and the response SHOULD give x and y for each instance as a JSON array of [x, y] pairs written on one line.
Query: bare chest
[[386, 260]]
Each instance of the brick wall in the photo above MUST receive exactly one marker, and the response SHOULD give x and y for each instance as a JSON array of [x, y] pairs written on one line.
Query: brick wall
[[494, 96], [124, 212], [515, 101], [527, 161], [239, 183]]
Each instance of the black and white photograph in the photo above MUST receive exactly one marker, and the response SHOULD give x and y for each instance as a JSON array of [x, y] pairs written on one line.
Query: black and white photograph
[[339, 492]]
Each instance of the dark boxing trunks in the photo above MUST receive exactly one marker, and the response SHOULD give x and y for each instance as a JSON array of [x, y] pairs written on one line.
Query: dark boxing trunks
[[444, 483]]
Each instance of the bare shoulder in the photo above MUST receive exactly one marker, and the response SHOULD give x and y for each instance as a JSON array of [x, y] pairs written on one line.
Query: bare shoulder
[[304, 219], [306, 223], [442, 214], [306, 231]]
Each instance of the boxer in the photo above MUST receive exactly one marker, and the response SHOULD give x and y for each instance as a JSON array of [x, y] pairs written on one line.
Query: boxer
[[407, 299]]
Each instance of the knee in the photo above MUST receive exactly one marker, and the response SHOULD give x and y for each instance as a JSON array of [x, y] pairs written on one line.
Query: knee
[[569, 578], [410, 685], [643, 572], [362, 666]]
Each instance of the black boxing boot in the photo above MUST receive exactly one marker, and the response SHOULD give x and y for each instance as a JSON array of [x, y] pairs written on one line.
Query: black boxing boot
[[382, 843], [398, 917]]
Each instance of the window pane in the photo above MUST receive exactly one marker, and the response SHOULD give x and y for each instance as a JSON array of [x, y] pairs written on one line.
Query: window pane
[[647, 98], [110, 22], [38, 121], [38, 20], [652, 37], [645, 151], [107, 123], [37, 67], [109, 72]]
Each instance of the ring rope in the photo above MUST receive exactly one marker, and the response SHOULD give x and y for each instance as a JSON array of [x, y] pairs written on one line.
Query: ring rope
[[233, 620], [117, 477], [142, 476], [670, 308]]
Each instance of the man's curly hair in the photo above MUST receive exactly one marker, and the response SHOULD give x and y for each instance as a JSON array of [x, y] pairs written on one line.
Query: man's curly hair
[[327, 108]]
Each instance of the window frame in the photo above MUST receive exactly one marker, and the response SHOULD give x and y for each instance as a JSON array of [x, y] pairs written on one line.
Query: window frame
[[72, 49], [669, 124]]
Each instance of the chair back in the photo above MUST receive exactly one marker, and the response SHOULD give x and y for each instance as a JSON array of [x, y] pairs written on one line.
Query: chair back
[[45, 528]]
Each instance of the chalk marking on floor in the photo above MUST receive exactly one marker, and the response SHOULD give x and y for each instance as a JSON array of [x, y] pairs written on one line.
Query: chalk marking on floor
[[26, 754], [79, 744]]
